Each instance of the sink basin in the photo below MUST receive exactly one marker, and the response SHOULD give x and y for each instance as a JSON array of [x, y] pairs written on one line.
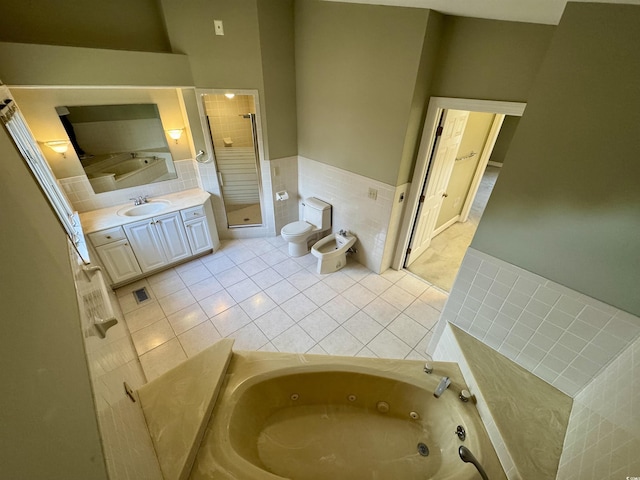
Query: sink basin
[[153, 206]]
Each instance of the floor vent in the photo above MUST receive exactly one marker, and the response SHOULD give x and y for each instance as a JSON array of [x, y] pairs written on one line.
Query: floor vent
[[141, 295]]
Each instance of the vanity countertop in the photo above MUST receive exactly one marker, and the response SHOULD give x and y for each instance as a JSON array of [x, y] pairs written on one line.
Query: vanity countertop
[[104, 218]]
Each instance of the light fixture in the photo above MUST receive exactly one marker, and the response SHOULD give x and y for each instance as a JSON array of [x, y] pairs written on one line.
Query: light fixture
[[58, 146], [229, 95], [176, 133]]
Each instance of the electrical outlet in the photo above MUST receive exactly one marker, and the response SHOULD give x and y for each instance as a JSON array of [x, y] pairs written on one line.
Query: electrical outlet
[[217, 25], [373, 193]]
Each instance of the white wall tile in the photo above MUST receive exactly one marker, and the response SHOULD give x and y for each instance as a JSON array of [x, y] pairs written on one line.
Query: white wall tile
[[579, 335], [348, 193]]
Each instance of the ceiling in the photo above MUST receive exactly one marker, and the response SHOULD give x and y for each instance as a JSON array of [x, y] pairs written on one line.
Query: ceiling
[[532, 11]]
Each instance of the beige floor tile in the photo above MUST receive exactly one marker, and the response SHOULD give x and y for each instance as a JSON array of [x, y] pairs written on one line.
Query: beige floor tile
[[198, 338], [318, 324], [230, 320], [176, 301], [144, 316], [341, 342], [152, 336], [294, 340], [274, 322], [363, 327], [217, 303], [387, 345], [407, 330], [187, 318]]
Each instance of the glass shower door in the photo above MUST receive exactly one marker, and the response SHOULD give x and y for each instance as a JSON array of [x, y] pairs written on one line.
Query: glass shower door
[[232, 126]]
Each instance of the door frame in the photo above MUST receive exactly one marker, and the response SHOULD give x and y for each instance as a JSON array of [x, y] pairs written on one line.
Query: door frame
[[436, 107]]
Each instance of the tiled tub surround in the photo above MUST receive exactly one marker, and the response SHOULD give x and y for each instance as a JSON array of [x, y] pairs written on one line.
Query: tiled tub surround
[[369, 219], [112, 360], [562, 336], [592, 357], [603, 438], [526, 417]]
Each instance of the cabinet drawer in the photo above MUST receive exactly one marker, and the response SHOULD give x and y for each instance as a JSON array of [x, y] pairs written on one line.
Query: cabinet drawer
[[107, 236], [193, 212]]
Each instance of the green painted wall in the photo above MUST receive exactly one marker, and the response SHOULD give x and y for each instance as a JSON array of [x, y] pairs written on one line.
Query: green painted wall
[[489, 59], [356, 69], [421, 93], [49, 427], [567, 203], [507, 131], [276, 24], [114, 24]]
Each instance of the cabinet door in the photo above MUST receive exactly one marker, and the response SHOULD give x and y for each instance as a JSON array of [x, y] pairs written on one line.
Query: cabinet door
[[119, 260], [173, 237], [198, 235], [146, 244]]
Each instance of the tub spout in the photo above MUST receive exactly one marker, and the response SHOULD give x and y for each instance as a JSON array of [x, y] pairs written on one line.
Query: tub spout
[[467, 457], [442, 386]]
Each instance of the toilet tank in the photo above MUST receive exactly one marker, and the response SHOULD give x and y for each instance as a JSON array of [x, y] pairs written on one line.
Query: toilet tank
[[317, 213]]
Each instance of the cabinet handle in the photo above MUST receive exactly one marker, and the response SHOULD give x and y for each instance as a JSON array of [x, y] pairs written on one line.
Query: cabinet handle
[[108, 237]]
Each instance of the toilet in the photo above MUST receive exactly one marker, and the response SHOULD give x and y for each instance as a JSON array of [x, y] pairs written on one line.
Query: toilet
[[316, 218], [331, 251]]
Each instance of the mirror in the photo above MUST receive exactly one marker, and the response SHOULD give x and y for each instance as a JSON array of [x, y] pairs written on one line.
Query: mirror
[[119, 146]]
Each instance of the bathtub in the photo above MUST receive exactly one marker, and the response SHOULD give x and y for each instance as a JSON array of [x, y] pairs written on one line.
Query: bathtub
[[316, 417]]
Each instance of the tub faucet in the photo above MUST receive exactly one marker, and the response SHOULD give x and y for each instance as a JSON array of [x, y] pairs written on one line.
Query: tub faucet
[[467, 457], [442, 386]]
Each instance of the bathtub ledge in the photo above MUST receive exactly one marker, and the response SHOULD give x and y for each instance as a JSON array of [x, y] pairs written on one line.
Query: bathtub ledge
[[177, 406]]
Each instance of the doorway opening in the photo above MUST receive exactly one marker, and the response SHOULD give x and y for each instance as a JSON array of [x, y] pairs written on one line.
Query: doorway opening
[[231, 120], [452, 183]]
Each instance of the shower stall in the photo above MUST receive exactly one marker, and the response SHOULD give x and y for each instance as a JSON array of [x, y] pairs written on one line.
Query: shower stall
[[232, 126]]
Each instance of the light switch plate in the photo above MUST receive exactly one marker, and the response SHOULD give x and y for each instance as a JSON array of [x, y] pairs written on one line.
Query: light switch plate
[[217, 24]]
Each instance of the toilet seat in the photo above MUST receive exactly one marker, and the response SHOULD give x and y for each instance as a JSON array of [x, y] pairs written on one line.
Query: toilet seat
[[296, 228]]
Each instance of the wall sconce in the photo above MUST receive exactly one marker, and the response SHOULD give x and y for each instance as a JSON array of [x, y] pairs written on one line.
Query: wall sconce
[[176, 133], [58, 146], [229, 95]]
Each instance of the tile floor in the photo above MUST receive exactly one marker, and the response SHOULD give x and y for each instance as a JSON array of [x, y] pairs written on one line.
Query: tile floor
[[252, 291]]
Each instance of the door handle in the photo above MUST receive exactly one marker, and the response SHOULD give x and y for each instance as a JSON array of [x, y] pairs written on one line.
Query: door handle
[[445, 194]]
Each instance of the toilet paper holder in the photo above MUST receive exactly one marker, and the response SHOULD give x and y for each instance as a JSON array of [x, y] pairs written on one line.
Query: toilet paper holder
[[282, 196]]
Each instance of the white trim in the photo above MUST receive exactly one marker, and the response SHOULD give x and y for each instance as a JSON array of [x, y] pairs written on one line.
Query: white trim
[[436, 106], [446, 225], [496, 125]]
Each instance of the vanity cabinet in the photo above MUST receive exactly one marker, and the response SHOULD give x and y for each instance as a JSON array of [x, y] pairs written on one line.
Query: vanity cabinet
[[116, 253], [197, 228], [159, 241], [131, 248]]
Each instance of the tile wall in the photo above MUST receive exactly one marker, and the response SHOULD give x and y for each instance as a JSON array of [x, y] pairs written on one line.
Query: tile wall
[[603, 437], [448, 350], [128, 449], [562, 336], [81, 196], [284, 174], [367, 218]]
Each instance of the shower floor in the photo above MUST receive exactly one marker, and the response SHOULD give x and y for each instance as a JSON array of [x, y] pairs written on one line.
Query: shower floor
[[244, 215]]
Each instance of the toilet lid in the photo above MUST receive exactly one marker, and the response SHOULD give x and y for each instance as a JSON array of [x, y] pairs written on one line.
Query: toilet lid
[[296, 228]]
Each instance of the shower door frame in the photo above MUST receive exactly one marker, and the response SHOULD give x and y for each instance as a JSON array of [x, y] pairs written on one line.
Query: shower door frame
[[260, 229]]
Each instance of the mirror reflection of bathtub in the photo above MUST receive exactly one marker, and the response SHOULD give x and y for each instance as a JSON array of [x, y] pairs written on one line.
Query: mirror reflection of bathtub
[[119, 146], [130, 169]]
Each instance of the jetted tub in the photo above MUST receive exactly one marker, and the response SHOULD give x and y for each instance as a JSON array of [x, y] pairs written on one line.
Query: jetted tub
[[316, 417]]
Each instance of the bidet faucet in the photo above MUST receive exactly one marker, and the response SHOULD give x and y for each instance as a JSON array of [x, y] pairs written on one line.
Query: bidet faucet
[[442, 386], [343, 233]]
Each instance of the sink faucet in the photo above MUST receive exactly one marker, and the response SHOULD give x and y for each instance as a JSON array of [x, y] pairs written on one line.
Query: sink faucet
[[442, 386], [139, 200]]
